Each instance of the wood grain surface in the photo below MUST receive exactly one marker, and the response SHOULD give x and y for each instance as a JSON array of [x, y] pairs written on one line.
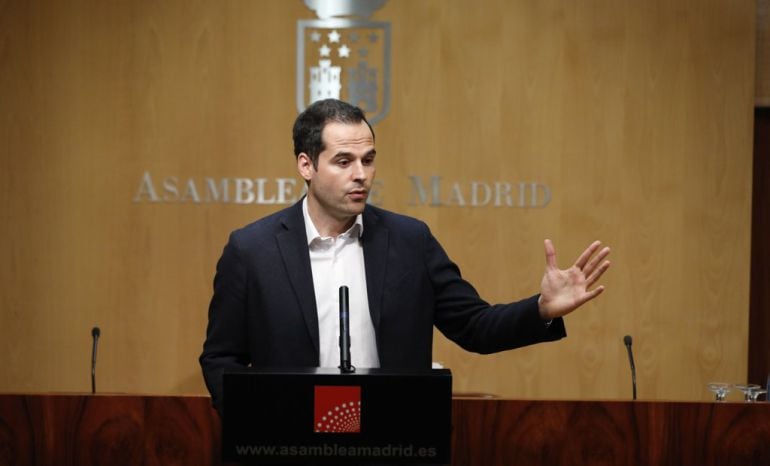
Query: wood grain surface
[[636, 115], [763, 54], [108, 430], [86, 430], [504, 432], [759, 331]]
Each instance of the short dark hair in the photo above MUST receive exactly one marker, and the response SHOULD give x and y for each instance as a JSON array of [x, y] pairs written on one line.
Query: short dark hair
[[310, 124]]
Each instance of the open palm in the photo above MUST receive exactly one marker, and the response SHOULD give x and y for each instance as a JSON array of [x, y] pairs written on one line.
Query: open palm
[[563, 291]]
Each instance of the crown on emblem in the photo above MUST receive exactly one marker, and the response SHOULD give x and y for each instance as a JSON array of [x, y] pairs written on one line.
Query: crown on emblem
[[326, 9]]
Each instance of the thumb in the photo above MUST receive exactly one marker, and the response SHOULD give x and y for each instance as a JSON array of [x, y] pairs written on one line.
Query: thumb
[[550, 255]]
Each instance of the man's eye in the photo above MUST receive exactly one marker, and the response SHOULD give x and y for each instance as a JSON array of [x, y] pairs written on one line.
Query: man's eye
[[343, 163]]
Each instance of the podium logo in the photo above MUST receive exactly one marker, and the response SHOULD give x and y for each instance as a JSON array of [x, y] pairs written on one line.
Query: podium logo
[[337, 409]]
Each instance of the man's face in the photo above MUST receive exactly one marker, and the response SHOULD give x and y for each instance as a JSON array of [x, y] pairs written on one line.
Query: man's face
[[339, 188]]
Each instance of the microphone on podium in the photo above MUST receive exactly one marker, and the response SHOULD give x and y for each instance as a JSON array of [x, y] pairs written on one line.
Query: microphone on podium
[[345, 366], [95, 333], [627, 341]]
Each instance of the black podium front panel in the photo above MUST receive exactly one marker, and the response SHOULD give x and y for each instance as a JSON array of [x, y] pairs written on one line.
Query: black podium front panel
[[322, 416]]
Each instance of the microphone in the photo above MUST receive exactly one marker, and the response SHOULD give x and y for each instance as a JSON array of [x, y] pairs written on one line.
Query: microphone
[[345, 365], [627, 341], [95, 333]]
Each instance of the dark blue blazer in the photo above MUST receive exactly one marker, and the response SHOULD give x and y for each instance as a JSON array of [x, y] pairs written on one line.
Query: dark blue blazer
[[263, 311]]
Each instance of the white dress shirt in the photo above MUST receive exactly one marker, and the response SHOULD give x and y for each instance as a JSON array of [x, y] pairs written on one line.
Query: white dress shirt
[[338, 261]]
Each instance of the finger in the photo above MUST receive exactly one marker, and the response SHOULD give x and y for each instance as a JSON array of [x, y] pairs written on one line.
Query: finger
[[550, 255], [591, 294], [581, 261], [594, 277], [595, 260]]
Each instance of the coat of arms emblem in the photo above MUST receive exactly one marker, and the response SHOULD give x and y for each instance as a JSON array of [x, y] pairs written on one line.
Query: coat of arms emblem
[[344, 55]]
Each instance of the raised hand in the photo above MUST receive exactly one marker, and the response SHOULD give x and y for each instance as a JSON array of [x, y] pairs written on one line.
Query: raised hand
[[563, 291]]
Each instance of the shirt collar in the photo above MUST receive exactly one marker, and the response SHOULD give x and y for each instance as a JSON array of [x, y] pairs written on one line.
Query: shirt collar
[[311, 232]]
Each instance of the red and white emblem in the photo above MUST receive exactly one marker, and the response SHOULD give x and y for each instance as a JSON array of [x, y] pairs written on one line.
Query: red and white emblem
[[337, 409]]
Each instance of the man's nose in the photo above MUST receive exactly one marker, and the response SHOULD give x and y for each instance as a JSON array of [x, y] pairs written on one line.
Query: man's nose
[[359, 173]]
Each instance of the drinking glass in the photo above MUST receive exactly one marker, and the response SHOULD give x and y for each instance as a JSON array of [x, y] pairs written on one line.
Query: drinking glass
[[719, 389], [747, 389], [755, 394]]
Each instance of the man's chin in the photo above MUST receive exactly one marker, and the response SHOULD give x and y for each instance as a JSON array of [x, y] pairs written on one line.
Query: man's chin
[[356, 207]]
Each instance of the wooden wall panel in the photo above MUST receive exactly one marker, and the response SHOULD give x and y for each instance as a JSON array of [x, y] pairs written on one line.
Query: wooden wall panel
[[759, 315], [762, 92], [637, 116]]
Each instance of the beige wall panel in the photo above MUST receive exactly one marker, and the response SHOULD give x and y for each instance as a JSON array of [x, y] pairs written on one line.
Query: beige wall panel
[[636, 116]]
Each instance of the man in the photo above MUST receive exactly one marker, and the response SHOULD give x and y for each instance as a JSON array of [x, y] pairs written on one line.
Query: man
[[275, 299]]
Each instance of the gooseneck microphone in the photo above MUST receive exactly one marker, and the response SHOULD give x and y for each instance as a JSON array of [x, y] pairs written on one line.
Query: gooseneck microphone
[[627, 341], [345, 365], [95, 333]]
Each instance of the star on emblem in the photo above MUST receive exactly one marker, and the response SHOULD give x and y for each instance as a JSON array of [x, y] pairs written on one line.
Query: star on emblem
[[344, 51], [353, 37], [324, 50], [334, 36], [315, 36], [373, 37]]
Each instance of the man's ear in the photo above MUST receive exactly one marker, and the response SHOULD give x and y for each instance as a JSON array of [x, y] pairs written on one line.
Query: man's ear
[[305, 166]]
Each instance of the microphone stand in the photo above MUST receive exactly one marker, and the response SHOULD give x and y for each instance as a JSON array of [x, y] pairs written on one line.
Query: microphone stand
[[345, 366], [627, 341], [95, 333]]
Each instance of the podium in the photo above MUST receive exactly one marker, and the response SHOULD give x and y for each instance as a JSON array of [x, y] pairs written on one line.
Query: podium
[[321, 416]]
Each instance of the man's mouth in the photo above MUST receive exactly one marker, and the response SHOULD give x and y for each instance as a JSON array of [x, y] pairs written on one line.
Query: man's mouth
[[358, 194]]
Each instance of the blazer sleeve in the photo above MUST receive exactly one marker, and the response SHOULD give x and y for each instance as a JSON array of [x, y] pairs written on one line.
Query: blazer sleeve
[[463, 317], [226, 344]]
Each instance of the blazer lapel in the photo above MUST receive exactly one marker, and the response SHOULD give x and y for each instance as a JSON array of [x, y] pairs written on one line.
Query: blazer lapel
[[375, 242], [292, 242]]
